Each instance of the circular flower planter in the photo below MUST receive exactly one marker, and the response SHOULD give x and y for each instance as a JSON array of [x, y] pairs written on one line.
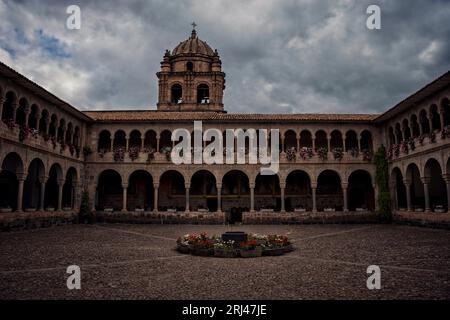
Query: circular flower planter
[[251, 253], [224, 253], [202, 252], [183, 249], [273, 251]]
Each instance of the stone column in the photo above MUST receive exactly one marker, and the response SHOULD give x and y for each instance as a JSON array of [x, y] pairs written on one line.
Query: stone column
[[157, 142], [155, 197], [74, 203], [407, 184], [14, 106], [60, 194], [282, 189], [127, 143], [21, 179], [375, 191], [124, 197], [42, 181], [359, 143], [314, 144], [27, 115], [47, 123], [283, 147], [298, 143], [344, 145], [252, 197], [344, 193], [219, 197], [112, 143], [329, 143], [313, 189], [441, 117], [187, 186], [426, 192], [447, 183], [38, 120]]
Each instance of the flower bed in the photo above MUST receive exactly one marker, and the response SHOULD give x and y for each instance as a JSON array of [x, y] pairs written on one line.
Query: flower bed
[[255, 246]]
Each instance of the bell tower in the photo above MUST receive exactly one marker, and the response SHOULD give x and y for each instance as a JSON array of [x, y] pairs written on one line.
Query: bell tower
[[191, 77]]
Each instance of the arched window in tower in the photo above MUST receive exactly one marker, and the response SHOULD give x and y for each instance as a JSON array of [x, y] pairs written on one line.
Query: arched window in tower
[[203, 93], [189, 66], [177, 93]]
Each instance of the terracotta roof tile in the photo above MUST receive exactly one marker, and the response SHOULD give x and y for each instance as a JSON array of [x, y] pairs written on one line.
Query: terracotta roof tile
[[143, 115]]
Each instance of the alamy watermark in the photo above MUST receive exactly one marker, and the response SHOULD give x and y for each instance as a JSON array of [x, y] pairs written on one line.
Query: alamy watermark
[[239, 146]]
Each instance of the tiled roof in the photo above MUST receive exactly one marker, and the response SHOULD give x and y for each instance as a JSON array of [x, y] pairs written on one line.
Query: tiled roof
[[143, 115]]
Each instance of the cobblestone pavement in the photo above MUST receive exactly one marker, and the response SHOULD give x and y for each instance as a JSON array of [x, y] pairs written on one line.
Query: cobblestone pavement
[[139, 262]]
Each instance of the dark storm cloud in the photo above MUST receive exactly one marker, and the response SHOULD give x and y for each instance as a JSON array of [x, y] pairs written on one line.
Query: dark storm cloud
[[279, 56]]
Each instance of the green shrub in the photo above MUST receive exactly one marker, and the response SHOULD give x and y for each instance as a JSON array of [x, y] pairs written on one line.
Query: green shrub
[[85, 215], [382, 180]]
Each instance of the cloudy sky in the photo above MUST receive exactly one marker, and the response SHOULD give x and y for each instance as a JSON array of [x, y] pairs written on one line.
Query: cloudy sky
[[280, 56]]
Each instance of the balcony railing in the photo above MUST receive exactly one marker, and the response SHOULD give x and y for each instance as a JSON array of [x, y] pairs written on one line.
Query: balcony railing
[[36, 140]]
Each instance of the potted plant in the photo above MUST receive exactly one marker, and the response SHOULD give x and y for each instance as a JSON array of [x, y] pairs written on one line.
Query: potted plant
[[291, 154], [354, 152], [203, 247], [250, 249], [306, 153], [224, 249], [119, 154], [183, 243], [367, 155], [322, 153], [133, 152], [338, 153]]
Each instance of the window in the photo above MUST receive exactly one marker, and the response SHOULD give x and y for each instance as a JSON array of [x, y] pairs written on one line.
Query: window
[[177, 93], [189, 66], [203, 94]]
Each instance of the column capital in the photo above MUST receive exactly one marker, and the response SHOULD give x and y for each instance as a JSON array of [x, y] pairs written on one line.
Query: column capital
[[282, 185], [252, 185], [446, 177], [425, 180], [407, 182], [219, 185], [344, 185], [61, 182], [156, 185], [43, 179], [21, 176], [187, 186], [314, 185], [125, 185]]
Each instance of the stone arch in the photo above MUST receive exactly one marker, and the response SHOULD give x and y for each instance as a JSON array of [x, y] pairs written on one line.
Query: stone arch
[[165, 141], [69, 188], [435, 117], [120, 139], [235, 193], [104, 141], [12, 168], [150, 140], [8, 111], [53, 126], [267, 192], [298, 191], [21, 113], [391, 135], [424, 122], [44, 122], [406, 129], [176, 93], [109, 190], [360, 191], [69, 133], [33, 116], [34, 185], [351, 140], [53, 187], [172, 191], [140, 191], [77, 137], [203, 93], [290, 140], [321, 139], [415, 128], [306, 139], [135, 140], [203, 190], [336, 140], [61, 131], [398, 133], [436, 185], [329, 190], [414, 186], [366, 140]]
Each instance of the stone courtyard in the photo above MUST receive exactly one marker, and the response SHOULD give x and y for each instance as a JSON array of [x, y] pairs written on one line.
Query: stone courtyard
[[120, 261]]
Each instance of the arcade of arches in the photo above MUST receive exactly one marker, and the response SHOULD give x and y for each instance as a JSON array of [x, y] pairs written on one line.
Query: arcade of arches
[[234, 192]]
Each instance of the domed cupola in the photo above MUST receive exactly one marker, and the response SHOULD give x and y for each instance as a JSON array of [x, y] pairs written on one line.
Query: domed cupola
[[193, 45], [191, 77]]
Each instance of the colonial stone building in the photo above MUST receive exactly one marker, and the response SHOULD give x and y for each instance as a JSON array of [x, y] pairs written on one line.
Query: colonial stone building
[[50, 152]]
